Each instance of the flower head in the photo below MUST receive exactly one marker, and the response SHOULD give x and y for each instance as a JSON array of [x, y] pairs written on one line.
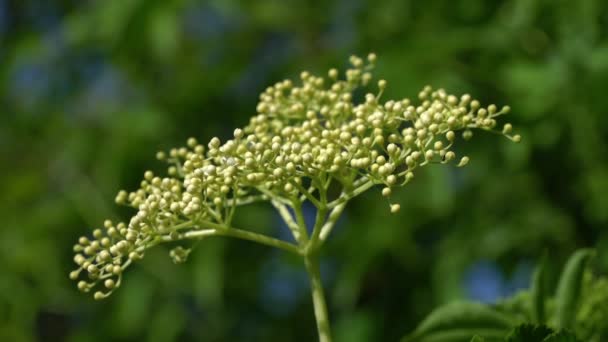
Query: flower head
[[304, 137]]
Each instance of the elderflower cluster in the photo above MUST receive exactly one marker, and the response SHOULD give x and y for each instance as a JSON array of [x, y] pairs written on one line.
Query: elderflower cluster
[[303, 137]]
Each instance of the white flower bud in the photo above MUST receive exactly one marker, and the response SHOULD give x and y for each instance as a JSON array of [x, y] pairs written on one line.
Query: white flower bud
[[409, 176], [449, 156], [450, 136], [463, 161], [109, 283], [82, 285], [492, 109]]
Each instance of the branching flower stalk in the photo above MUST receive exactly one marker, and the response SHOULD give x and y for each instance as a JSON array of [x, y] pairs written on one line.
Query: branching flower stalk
[[309, 142]]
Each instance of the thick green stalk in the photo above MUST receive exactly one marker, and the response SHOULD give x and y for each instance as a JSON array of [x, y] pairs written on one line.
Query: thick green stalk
[[318, 297]]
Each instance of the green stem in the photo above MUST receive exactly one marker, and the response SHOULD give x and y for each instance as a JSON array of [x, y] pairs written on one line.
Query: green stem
[[346, 196], [297, 233], [259, 238], [306, 193], [318, 297], [316, 231], [218, 230], [334, 215], [301, 223]]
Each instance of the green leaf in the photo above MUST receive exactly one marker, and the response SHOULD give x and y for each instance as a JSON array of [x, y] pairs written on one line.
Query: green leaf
[[459, 321], [569, 288], [538, 292], [477, 338], [529, 333], [561, 336], [539, 333]]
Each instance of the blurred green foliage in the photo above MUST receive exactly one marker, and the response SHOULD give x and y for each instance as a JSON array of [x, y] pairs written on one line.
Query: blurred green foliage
[[90, 90], [571, 309]]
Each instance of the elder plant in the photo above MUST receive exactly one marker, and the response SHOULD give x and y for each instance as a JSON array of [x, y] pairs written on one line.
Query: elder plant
[[309, 141]]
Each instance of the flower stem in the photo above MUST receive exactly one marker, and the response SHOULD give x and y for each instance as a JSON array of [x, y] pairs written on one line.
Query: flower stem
[[219, 230], [260, 238], [318, 297]]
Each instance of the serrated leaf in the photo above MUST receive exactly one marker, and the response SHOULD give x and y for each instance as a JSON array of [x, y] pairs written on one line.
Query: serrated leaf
[[538, 292], [569, 288], [459, 321], [561, 336], [529, 333], [541, 333], [461, 335]]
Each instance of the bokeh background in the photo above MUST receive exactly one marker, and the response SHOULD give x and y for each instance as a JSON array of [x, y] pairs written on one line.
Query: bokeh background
[[90, 90]]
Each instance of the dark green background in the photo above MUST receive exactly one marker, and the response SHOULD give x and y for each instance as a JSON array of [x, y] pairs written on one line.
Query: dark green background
[[90, 90]]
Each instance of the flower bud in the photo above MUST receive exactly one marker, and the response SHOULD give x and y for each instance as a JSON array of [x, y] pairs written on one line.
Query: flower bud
[[386, 192], [109, 283], [82, 285], [395, 208], [463, 161]]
